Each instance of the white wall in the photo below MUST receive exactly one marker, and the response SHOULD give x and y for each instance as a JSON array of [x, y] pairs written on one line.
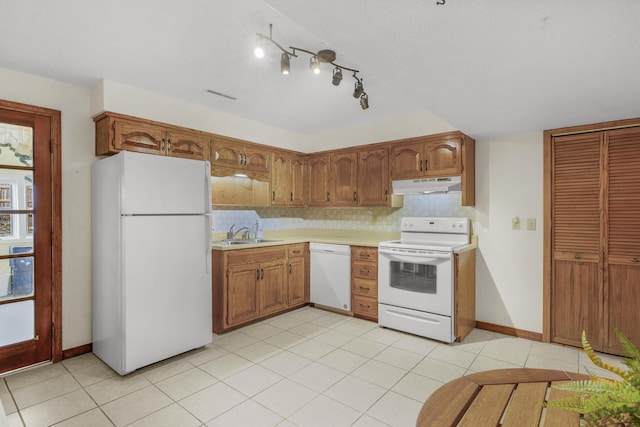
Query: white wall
[[417, 124], [119, 98], [78, 144], [509, 183]]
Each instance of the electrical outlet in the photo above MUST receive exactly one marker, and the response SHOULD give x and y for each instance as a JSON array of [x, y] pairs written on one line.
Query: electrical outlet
[[515, 223], [531, 224]]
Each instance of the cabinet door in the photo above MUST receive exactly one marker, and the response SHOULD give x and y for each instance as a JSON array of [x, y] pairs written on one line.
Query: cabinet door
[[297, 181], [577, 303], [373, 177], [280, 179], [319, 181], [296, 279], [576, 288], [188, 145], [273, 286], [344, 179], [443, 158], [406, 161], [623, 243], [242, 293], [226, 154], [257, 159], [140, 137]]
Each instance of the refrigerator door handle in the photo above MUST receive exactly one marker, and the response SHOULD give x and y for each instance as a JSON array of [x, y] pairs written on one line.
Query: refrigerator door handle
[[207, 240], [207, 184]]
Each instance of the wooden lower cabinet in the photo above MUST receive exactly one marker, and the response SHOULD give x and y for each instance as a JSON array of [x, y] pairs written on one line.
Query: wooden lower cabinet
[[364, 282], [298, 274], [464, 293], [249, 284]]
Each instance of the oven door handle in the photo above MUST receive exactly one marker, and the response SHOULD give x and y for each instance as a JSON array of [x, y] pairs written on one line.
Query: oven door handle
[[421, 258]]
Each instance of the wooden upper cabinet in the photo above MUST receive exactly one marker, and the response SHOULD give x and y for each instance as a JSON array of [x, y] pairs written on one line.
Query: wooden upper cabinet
[[115, 133], [187, 145], [235, 154], [373, 177], [443, 158], [140, 137], [318, 193], [423, 159], [280, 179], [298, 180], [344, 179], [287, 179], [406, 161], [257, 159], [225, 154]]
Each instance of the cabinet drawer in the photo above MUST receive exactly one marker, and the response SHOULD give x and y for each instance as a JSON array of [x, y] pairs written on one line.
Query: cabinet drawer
[[364, 287], [365, 306], [244, 256], [363, 253], [296, 250], [364, 270]]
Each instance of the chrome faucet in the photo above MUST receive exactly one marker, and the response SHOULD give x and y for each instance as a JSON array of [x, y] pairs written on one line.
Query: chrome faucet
[[231, 234]]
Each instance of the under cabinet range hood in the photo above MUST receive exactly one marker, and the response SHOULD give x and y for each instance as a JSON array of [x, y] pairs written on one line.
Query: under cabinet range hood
[[427, 185]]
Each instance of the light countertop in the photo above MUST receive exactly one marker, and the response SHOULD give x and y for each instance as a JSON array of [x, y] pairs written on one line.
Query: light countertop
[[337, 237]]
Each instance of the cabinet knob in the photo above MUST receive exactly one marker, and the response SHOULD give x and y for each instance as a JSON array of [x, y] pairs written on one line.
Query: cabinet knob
[[364, 254], [362, 270], [355, 196], [365, 305], [289, 268], [291, 196], [257, 274], [578, 256], [273, 196], [363, 288], [386, 195], [296, 251], [420, 165], [635, 260], [327, 196]]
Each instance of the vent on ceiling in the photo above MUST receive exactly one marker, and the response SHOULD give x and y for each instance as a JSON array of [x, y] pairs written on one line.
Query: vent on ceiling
[[224, 95]]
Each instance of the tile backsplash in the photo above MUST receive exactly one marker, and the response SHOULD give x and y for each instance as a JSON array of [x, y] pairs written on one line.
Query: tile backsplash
[[375, 218]]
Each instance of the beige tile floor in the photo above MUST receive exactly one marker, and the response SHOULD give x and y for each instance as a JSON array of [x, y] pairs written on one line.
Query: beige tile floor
[[308, 367]]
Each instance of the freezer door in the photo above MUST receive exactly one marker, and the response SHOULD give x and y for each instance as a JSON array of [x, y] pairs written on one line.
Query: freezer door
[[166, 286], [153, 184]]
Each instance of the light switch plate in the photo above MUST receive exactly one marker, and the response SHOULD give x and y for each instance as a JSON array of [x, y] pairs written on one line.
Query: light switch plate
[[531, 224], [515, 223]]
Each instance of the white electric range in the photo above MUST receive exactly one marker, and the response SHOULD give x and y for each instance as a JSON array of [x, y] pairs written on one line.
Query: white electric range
[[415, 276]]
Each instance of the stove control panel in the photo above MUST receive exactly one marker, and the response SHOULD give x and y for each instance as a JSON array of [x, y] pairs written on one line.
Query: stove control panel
[[435, 225]]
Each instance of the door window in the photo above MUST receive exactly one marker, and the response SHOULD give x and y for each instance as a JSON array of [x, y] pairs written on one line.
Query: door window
[[413, 277]]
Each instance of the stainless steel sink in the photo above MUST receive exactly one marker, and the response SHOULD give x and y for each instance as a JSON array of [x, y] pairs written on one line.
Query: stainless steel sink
[[233, 242]]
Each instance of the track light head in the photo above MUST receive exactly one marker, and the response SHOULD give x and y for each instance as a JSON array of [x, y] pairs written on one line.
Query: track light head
[[364, 101], [314, 65], [284, 64], [337, 76], [358, 89]]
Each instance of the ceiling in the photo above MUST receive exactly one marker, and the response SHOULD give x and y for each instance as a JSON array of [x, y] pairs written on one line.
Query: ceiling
[[489, 68]]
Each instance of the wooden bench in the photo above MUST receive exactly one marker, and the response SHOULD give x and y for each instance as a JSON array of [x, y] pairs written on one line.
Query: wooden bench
[[504, 397]]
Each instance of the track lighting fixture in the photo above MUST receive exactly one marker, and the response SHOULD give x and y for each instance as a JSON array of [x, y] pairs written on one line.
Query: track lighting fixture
[[337, 76], [325, 56], [284, 63]]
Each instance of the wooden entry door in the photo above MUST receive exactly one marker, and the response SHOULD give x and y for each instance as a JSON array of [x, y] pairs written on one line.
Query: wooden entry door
[[29, 289]]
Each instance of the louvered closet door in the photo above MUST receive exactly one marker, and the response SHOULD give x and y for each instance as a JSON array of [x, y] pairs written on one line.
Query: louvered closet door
[[623, 248], [576, 290]]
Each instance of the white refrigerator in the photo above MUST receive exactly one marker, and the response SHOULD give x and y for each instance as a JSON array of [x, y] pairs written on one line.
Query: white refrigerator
[[151, 244]]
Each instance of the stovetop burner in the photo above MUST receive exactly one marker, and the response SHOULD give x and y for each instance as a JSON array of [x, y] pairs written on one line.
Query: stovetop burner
[[431, 233]]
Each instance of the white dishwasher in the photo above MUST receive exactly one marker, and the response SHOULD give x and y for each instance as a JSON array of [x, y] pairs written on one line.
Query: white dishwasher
[[330, 275]]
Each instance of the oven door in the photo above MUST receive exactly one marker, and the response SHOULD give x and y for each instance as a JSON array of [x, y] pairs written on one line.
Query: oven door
[[416, 279]]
